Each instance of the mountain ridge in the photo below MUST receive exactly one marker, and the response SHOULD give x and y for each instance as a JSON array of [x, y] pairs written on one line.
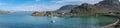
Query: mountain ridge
[[103, 7]]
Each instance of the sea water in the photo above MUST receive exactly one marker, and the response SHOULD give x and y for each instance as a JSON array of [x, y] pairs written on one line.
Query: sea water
[[21, 20]]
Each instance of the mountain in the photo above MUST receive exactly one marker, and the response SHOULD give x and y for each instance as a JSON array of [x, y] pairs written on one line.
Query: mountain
[[109, 4], [103, 7], [66, 8]]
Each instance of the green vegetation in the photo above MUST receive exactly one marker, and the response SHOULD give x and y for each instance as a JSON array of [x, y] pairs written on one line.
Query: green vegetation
[[85, 10], [37, 14]]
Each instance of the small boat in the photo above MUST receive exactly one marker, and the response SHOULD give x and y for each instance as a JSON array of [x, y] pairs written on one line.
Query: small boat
[[52, 21]]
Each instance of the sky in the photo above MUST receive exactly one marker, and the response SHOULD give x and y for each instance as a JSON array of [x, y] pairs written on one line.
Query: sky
[[39, 5]]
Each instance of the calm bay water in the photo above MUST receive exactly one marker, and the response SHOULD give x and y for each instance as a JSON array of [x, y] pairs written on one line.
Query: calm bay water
[[26, 21]]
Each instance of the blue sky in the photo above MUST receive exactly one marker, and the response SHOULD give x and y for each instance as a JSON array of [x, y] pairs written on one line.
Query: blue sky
[[39, 5]]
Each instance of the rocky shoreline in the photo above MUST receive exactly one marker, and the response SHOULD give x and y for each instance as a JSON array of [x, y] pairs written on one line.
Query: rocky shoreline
[[115, 24]]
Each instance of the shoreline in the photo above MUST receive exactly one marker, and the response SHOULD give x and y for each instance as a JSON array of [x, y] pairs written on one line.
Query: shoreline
[[115, 24]]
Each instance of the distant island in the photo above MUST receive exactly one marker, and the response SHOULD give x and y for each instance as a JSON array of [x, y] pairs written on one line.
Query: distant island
[[105, 7], [4, 12]]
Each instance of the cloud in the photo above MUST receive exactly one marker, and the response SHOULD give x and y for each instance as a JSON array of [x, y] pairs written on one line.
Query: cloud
[[54, 5], [25, 8], [37, 7], [50, 7], [59, 3], [80, 1]]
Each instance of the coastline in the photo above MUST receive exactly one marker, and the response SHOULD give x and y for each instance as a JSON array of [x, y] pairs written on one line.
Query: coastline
[[115, 24]]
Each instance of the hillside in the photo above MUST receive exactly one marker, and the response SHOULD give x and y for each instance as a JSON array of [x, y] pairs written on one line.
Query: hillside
[[104, 7]]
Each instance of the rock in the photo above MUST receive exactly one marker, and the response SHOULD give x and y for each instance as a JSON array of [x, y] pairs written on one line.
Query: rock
[[48, 13], [109, 4], [104, 6], [37, 14], [113, 25]]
